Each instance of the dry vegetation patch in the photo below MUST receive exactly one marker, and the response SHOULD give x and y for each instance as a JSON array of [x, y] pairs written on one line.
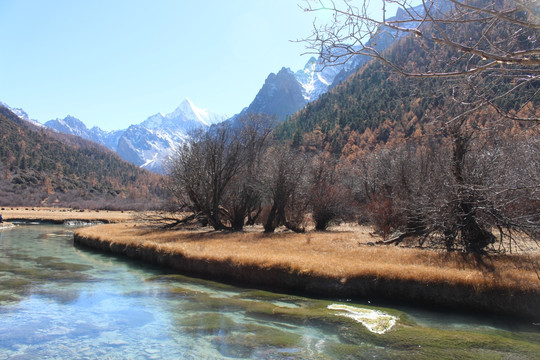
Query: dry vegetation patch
[[343, 255], [62, 214]]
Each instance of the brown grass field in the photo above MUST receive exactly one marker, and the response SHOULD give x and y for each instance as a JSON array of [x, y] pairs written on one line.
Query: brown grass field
[[62, 214], [342, 253]]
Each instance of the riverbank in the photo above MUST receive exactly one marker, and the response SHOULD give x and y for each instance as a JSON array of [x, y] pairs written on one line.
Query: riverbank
[[335, 264], [6, 225], [50, 215]]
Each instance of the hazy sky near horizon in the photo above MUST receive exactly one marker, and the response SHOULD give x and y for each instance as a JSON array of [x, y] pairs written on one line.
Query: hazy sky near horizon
[[114, 63]]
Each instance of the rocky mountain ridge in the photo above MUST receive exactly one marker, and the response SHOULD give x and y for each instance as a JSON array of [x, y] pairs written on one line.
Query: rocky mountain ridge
[[148, 143]]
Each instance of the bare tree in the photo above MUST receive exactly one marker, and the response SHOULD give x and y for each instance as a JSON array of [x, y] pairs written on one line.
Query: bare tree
[[329, 199], [201, 170], [492, 46], [466, 191], [285, 187], [244, 195], [212, 174]]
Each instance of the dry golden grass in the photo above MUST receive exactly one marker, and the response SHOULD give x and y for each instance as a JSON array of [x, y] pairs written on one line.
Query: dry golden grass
[[342, 255], [61, 214]]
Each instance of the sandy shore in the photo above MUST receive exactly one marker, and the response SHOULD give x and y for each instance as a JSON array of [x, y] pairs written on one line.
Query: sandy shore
[[334, 264], [62, 215]]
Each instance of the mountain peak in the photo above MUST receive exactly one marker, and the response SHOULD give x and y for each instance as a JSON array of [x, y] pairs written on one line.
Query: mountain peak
[[280, 96], [70, 125], [187, 112]]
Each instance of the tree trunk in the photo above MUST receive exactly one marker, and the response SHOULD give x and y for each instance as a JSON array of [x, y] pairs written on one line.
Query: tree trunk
[[270, 224], [474, 236]]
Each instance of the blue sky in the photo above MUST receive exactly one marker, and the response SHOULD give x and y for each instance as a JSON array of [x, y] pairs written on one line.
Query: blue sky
[[113, 63]]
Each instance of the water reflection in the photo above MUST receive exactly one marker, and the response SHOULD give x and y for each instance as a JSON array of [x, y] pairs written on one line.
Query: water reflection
[[63, 302]]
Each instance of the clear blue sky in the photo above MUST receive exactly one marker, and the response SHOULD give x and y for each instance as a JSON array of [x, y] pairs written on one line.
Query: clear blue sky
[[113, 63]]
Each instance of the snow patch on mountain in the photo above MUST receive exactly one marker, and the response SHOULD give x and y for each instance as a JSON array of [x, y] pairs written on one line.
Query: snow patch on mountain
[[316, 78], [21, 114]]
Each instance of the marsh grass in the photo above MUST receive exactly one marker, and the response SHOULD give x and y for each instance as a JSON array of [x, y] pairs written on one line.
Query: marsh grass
[[339, 254]]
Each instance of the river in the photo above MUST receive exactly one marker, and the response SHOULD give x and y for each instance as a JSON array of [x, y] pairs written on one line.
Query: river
[[61, 302]]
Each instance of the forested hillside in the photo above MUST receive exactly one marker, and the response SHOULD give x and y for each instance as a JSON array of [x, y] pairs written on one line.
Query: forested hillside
[[445, 66], [42, 167], [376, 106]]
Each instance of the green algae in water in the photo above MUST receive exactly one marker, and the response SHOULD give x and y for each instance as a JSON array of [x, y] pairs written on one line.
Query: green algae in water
[[206, 323], [184, 280], [240, 344], [13, 283], [7, 298], [49, 262], [406, 340], [78, 304]]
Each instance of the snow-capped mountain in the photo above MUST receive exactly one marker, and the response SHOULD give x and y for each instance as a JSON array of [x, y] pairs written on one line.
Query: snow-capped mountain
[[315, 78], [72, 125], [286, 92], [149, 143], [185, 117]]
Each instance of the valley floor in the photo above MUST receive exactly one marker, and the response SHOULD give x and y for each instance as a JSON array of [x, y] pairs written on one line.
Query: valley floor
[[61, 215], [343, 262]]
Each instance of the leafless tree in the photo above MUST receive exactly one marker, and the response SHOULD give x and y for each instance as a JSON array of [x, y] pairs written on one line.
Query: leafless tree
[[244, 196], [211, 174], [329, 199], [492, 46], [285, 187], [467, 191]]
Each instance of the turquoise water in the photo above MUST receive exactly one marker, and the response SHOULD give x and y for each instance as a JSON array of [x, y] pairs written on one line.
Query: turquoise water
[[61, 302]]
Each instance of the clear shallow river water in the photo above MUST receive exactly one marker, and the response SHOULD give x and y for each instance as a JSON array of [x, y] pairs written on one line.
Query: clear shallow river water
[[61, 302]]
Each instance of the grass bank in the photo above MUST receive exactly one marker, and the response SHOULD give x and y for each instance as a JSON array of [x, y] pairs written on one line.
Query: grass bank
[[61, 215], [336, 263]]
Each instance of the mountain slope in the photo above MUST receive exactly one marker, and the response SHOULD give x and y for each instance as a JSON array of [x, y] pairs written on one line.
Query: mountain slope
[[38, 167]]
